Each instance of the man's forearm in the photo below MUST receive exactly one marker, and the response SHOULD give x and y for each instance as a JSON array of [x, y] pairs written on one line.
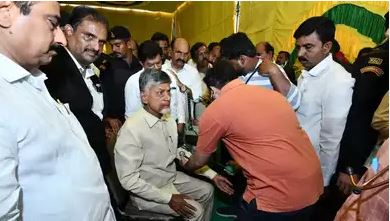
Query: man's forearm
[[279, 82], [196, 161], [192, 165]]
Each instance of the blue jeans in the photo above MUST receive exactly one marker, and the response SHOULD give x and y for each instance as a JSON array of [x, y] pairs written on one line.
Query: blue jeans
[[249, 212]]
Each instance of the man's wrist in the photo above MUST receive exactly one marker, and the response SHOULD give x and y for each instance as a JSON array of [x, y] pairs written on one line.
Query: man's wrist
[[168, 198]]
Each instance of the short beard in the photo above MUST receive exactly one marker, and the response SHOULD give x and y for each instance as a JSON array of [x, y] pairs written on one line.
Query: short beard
[[165, 111]]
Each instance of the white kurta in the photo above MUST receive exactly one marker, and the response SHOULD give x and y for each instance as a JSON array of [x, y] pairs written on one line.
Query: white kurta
[[48, 169]]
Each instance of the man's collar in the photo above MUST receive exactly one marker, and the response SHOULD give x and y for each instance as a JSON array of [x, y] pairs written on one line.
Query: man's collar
[[87, 72], [10, 70], [318, 69], [167, 61], [152, 120], [232, 84], [37, 79]]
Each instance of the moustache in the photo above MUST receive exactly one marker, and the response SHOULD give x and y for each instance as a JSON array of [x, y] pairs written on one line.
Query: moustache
[[180, 60], [301, 59], [116, 54], [92, 51], [54, 47]]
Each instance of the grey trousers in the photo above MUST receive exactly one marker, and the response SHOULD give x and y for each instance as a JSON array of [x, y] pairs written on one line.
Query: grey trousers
[[201, 192]]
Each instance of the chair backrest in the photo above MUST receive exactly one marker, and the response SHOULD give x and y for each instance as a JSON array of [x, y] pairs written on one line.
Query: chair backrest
[[122, 197]]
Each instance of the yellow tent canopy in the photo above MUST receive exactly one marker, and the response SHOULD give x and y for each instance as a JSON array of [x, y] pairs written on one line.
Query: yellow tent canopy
[[275, 22]]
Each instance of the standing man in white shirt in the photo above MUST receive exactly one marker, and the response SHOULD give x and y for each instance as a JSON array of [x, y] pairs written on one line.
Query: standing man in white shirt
[[187, 74], [70, 77], [46, 161], [326, 89]]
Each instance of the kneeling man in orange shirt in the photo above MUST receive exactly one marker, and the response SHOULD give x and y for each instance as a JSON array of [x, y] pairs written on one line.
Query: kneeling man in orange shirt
[[262, 134]]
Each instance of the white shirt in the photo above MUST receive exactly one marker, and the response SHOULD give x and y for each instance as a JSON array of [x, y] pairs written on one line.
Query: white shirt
[[326, 96], [189, 76], [168, 62], [48, 169], [97, 97], [133, 101], [191, 63]]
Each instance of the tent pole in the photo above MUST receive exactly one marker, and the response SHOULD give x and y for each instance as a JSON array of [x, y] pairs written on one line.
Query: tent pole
[[237, 17]]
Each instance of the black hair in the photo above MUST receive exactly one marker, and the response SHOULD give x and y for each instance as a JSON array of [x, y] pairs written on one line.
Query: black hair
[[148, 50], [152, 76], [25, 7], [64, 18], [158, 36], [268, 47], [286, 53], [212, 45], [335, 46], [323, 26], [237, 44], [222, 43], [194, 48], [81, 13], [221, 74]]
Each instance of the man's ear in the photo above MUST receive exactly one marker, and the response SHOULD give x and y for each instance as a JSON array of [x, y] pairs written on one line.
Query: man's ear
[[144, 97], [327, 47], [68, 30], [241, 60], [128, 45], [6, 8]]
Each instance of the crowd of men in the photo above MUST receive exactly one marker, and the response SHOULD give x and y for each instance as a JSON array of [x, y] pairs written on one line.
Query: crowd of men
[[73, 120]]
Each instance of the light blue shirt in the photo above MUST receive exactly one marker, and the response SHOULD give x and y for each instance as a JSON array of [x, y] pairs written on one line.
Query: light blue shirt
[[48, 169], [293, 95]]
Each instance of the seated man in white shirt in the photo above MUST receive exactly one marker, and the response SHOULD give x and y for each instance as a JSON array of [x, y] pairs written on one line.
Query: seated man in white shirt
[[145, 154], [48, 169]]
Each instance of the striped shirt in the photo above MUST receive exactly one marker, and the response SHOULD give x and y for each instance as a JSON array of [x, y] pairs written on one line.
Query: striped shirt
[[293, 95]]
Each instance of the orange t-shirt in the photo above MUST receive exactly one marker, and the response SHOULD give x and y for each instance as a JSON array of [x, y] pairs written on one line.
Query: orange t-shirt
[[263, 135]]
